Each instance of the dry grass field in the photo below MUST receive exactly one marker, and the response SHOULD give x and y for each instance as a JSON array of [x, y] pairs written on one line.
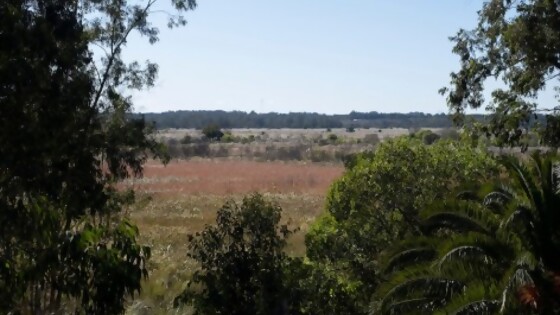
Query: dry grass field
[[182, 197], [287, 134], [226, 177]]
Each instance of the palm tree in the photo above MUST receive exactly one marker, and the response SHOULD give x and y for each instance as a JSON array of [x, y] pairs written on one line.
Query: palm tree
[[493, 251]]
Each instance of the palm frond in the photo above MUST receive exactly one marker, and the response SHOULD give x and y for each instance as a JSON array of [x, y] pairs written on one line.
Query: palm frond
[[480, 249], [521, 224], [520, 277], [468, 252], [478, 294], [497, 199], [409, 257], [417, 305], [469, 256], [525, 179], [481, 307], [453, 221], [556, 174], [427, 287], [521, 214]]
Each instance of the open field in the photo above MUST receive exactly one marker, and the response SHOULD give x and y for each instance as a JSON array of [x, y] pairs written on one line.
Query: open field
[[182, 197], [226, 177], [313, 145]]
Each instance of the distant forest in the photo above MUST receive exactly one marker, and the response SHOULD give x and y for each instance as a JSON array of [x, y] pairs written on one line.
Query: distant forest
[[238, 119]]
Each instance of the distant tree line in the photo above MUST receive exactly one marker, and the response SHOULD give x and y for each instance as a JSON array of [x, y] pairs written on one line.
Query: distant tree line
[[239, 119], [400, 120]]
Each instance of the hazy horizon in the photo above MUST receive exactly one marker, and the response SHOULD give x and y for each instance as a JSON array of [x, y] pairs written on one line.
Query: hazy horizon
[[291, 112]]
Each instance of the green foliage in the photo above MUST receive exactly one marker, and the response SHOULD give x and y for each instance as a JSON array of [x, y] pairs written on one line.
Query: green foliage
[[213, 132], [501, 243], [319, 289], [243, 269], [228, 137], [350, 160], [404, 174], [377, 200], [515, 42], [241, 261], [66, 138]]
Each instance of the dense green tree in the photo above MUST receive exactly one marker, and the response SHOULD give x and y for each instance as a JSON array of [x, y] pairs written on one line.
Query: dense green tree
[[243, 269], [492, 251], [213, 132], [516, 42], [377, 200], [65, 139], [241, 261], [320, 289]]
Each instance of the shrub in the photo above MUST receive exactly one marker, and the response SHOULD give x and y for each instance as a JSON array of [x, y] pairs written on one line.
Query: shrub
[[213, 132], [228, 137], [241, 261]]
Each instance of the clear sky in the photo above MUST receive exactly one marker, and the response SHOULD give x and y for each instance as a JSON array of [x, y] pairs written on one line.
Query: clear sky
[[329, 56]]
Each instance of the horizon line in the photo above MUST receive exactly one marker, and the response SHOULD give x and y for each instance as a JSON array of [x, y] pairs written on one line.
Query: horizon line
[[302, 112]]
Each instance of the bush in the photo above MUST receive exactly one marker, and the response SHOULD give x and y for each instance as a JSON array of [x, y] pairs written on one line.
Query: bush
[[228, 137], [213, 132], [320, 289], [241, 261]]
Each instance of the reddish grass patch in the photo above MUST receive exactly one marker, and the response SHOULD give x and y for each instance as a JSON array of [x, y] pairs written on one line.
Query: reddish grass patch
[[223, 177]]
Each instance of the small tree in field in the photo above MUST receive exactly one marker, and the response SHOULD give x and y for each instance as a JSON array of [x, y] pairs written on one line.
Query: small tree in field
[[213, 132], [241, 261]]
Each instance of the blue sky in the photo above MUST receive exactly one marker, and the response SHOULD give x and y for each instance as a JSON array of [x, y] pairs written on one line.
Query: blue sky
[[330, 56]]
